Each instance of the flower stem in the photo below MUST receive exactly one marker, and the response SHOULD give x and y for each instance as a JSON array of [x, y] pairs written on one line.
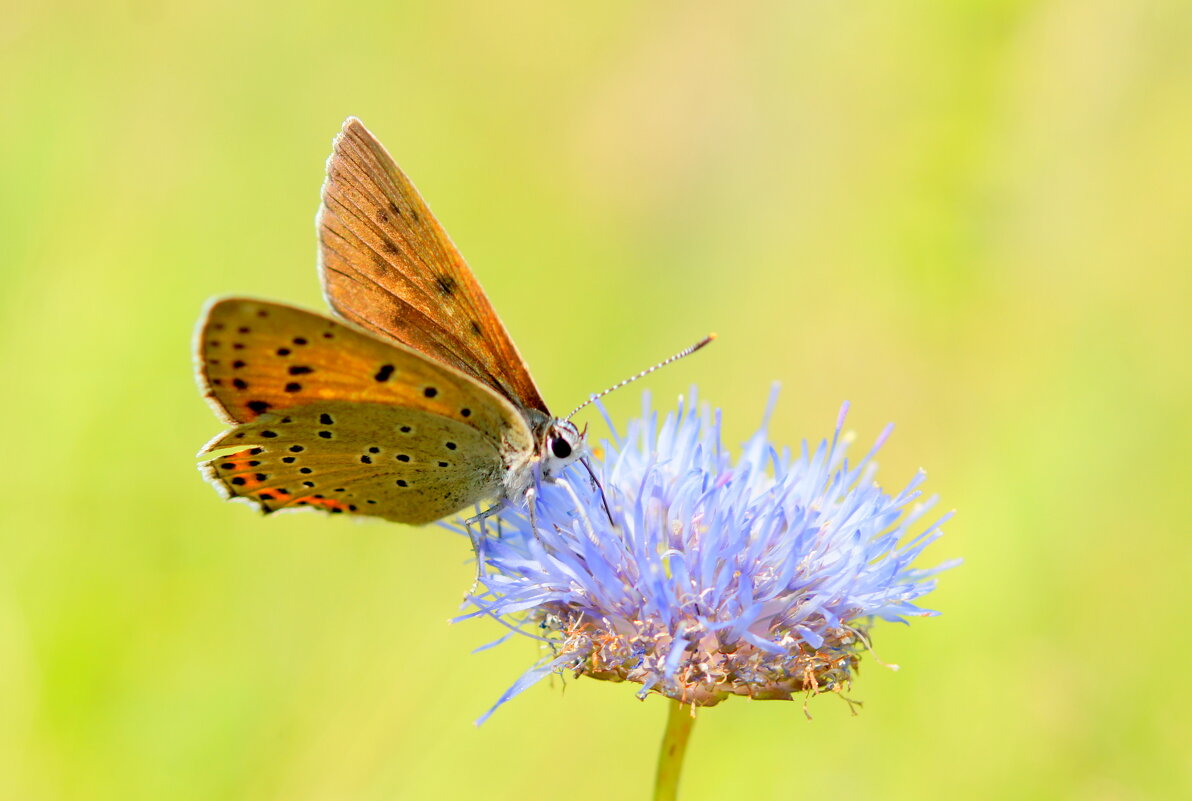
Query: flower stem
[[670, 755]]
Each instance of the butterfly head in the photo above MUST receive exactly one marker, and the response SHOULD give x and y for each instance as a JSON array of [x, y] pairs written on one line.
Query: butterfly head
[[561, 444]]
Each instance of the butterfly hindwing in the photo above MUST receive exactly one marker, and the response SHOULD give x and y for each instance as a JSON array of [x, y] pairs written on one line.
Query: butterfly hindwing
[[400, 464], [387, 265]]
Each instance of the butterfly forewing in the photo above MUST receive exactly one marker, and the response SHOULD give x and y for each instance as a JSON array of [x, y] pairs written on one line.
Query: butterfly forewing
[[333, 417], [387, 265], [256, 356]]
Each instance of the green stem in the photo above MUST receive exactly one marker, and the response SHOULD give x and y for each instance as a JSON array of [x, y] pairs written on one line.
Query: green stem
[[670, 755]]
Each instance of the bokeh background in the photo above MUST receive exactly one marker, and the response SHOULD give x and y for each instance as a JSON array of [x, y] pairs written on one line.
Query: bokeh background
[[971, 218]]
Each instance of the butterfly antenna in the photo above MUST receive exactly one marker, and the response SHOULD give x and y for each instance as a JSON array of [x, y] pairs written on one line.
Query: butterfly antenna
[[644, 373]]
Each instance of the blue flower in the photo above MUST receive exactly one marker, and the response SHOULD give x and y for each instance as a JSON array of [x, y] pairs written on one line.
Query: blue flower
[[757, 576]]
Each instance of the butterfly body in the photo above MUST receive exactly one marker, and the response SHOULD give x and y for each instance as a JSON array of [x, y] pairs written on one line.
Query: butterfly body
[[412, 407]]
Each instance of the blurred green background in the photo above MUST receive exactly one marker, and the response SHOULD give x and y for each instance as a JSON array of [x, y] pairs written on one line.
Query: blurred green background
[[971, 218]]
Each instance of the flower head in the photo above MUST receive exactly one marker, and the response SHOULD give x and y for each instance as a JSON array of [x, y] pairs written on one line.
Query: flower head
[[707, 576]]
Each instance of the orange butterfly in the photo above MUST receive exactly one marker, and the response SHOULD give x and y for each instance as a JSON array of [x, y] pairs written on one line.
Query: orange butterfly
[[417, 406]]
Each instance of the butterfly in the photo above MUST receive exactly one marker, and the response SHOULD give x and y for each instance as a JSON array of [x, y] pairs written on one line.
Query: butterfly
[[413, 405]]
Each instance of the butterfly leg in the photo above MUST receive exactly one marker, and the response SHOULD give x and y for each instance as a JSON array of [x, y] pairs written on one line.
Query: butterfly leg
[[478, 538], [531, 502], [486, 514]]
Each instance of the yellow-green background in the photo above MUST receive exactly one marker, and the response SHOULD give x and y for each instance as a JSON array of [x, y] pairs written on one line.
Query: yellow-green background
[[971, 218]]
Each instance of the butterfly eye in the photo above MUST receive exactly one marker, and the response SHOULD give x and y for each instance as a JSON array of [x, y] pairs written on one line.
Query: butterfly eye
[[560, 447]]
